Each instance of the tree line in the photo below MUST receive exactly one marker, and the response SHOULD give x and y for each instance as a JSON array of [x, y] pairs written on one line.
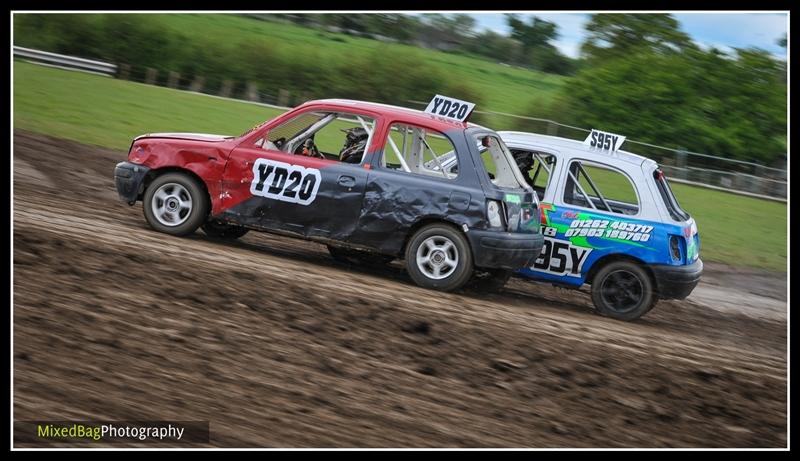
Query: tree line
[[529, 44], [645, 78]]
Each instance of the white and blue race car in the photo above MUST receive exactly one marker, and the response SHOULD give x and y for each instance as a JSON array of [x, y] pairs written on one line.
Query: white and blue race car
[[609, 219]]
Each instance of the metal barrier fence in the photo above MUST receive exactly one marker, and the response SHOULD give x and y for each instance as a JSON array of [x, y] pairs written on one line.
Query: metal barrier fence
[[65, 62], [682, 166], [731, 175]]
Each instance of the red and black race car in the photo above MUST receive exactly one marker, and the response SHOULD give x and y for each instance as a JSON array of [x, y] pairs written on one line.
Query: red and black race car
[[363, 178]]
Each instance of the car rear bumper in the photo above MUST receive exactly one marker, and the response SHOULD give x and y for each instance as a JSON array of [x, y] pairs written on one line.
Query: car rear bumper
[[504, 250], [677, 282], [128, 178]]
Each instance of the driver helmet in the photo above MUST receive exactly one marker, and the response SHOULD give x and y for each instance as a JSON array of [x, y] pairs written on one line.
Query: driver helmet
[[355, 144], [523, 159]]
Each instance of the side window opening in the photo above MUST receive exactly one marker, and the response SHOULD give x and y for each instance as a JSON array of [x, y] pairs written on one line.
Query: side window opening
[[600, 188], [536, 168], [420, 151], [331, 135]]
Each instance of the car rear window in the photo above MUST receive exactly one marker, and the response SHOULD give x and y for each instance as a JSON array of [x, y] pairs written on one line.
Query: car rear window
[[675, 210], [498, 162]]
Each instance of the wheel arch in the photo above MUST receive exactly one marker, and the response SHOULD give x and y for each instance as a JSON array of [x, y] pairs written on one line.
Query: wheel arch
[[155, 173], [610, 258], [428, 220]]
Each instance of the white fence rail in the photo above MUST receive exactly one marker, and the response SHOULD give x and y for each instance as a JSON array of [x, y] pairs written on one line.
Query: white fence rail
[[64, 61]]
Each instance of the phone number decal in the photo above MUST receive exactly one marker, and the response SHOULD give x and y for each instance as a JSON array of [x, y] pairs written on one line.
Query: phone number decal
[[609, 229]]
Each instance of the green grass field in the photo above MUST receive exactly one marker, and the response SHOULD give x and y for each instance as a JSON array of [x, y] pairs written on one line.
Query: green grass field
[[736, 230], [503, 88]]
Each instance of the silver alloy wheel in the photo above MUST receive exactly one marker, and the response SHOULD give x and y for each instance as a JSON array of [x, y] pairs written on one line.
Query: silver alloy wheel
[[171, 204], [437, 257]]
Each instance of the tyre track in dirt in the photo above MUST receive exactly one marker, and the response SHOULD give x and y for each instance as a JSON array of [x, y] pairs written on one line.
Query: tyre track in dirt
[[635, 341], [278, 346]]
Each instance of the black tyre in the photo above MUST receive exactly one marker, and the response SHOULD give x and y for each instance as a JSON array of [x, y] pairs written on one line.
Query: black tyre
[[356, 257], [439, 257], [174, 203], [490, 281], [623, 290], [223, 230]]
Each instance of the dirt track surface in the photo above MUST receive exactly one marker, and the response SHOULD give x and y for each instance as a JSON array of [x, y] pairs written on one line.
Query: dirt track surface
[[277, 346]]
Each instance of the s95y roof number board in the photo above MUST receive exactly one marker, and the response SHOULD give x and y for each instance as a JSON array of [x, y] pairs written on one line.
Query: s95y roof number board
[[603, 140]]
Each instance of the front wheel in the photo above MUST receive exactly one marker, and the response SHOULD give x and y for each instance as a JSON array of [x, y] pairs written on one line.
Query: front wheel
[[174, 203], [439, 257], [623, 290]]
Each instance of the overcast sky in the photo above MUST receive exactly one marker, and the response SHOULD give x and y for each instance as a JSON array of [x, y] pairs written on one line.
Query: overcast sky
[[723, 30]]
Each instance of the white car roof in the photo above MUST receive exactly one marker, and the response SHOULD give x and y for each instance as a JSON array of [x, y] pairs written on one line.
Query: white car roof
[[533, 140]]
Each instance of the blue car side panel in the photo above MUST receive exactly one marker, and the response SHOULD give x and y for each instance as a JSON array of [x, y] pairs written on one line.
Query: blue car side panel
[[576, 239]]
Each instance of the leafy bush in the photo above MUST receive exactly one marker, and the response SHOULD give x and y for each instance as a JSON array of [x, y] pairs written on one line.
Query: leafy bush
[[701, 101], [388, 77]]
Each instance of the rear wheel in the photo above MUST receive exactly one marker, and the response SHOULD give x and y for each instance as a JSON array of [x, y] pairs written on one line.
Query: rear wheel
[[439, 257], [223, 230], [174, 203], [623, 290]]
